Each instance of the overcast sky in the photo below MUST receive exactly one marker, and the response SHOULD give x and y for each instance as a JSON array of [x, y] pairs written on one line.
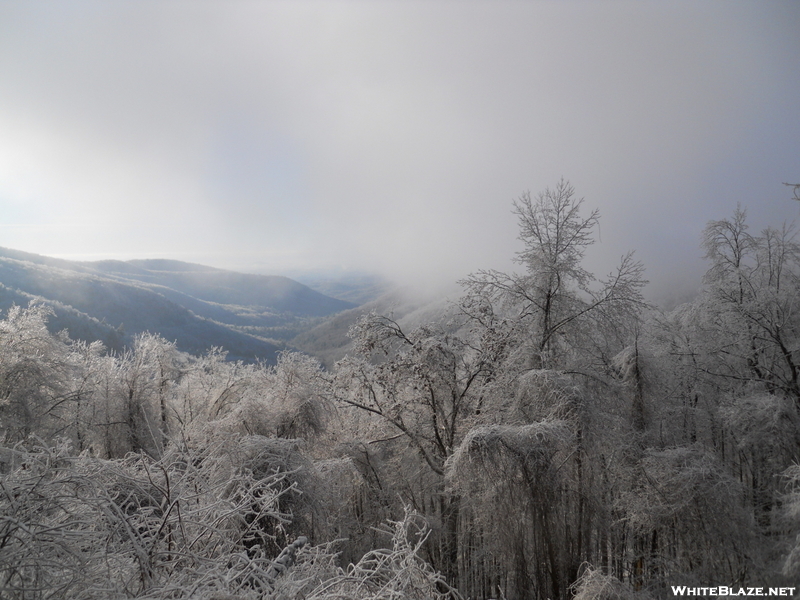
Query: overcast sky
[[390, 136]]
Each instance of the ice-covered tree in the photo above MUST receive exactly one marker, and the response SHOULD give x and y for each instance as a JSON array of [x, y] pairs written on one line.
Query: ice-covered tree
[[424, 387], [752, 289], [34, 397], [555, 301]]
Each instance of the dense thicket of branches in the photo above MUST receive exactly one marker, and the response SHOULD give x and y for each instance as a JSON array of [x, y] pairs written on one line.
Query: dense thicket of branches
[[551, 436]]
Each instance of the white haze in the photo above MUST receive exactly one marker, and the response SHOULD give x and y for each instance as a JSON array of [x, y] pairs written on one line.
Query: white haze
[[390, 137]]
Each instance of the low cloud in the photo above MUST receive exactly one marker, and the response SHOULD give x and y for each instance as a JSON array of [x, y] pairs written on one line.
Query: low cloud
[[389, 137]]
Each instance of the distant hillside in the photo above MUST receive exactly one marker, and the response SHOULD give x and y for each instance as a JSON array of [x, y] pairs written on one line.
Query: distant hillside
[[217, 286], [328, 341], [251, 316], [358, 288]]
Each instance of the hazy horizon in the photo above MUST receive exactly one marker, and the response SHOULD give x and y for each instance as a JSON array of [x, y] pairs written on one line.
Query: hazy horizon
[[391, 137]]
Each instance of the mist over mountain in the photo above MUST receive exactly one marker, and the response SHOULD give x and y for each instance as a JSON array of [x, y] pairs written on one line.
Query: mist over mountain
[[199, 307], [329, 342], [356, 287]]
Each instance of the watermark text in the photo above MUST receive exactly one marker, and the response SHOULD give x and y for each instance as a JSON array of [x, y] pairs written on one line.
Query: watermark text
[[724, 590]]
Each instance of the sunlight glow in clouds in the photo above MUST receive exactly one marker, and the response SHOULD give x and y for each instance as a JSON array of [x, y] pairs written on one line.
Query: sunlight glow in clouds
[[389, 136]]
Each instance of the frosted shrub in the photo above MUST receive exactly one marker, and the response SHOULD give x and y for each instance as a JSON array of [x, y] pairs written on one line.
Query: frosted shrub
[[51, 530], [195, 525], [393, 573], [594, 585], [686, 496], [492, 459], [512, 474], [791, 512], [188, 525]]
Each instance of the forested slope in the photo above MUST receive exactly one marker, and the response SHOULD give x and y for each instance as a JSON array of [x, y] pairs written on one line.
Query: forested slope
[[329, 340], [551, 435], [250, 316]]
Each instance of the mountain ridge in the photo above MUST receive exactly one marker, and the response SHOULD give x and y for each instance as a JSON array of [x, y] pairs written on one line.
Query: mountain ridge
[[198, 307]]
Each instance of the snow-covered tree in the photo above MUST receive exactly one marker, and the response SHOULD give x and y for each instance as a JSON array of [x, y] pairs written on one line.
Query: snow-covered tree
[[549, 308], [34, 398], [753, 289]]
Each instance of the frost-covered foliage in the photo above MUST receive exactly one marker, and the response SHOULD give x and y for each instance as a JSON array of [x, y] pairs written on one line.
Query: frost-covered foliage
[[395, 572], [684, 499], [550, 310], [198, 525], [288, 400], [549, 437], [594, 585], [753, 283], [81, 527], [33, 365], [499, 450], [791, 510], [519, 470]]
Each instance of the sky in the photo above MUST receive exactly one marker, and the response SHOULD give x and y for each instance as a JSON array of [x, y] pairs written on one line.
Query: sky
[[391, 137]]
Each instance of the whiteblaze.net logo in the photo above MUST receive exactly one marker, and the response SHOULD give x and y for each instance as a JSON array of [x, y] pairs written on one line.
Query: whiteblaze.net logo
[[723, 590]]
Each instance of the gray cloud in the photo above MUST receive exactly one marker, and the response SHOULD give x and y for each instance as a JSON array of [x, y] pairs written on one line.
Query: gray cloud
[[389, 136]]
